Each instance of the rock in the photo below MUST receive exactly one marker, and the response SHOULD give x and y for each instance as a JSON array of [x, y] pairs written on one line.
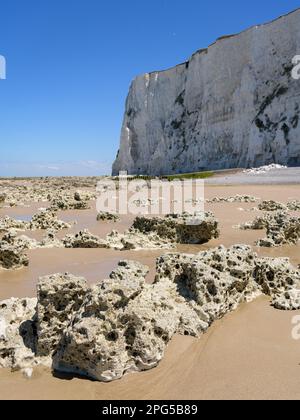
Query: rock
[[214, 282], [122, 328], [280, 280], [7, 223], [133, 239], [59, 298], [24, 242], [20, 242], [84, 239], [264, 169], [12, 256], [184, 229], [275, 275], [282, 229], [294, 205], [287, 301], [271, 205], [79, 201], [231, 105], [124, 324], [106, 216], [47, 219], [17, 333], [235, 199]]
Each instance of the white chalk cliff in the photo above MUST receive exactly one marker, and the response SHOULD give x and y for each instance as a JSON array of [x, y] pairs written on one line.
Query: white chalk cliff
[[234, 104]]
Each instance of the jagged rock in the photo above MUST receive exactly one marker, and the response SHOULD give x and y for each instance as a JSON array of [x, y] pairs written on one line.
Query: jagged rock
[[287, 301], [117, 332], [234, 199], [7, 223], [20, 242], [123, 324], [231, 105], [133, 239], [47, 219], [79, 201], [106, 216], [84, 239], [275, 275], [280, 280], [50, 240], [12, 255], [24, 242], [294, 205], [259, 223], [184, 229], [281, 229], [271, 205], [214, 282], [59, 298], [17, 333]]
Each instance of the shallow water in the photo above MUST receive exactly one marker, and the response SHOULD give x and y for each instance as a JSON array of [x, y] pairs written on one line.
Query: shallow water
[[249, 354]]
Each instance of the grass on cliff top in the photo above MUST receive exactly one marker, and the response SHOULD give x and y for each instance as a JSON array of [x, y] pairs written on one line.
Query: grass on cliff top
[[195, 175]]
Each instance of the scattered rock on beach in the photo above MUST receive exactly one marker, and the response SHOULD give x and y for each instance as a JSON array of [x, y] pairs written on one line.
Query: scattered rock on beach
[[234, 199], [84, 239], [271, 205], [183, 229], [7, 223], [17, 333], [47, 219], [59, 298], [124, 324], [107, 217], [294, 205], [12, 256], [282, 229]]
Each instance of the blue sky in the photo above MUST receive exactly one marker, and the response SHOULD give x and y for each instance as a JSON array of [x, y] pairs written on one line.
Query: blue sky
[[70, 64]]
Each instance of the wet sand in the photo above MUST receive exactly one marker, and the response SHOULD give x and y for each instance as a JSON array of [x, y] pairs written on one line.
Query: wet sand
[[248, 354]]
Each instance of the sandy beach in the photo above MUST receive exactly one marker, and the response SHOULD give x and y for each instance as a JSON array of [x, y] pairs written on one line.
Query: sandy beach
[[248, 354]]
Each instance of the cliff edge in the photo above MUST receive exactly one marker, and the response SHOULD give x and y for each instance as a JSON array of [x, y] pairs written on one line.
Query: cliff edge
[[234, 104]]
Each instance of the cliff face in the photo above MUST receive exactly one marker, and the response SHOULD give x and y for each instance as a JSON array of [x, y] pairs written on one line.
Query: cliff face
[[234, 104]]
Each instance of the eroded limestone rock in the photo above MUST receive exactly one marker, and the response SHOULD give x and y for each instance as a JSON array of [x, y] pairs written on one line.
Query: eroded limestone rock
[[133, 239], [123, 327], [282, 229], [234, 199], [271, 205], [59, 298], [47, 219], [184, 229], [294, 205], [123, 324], [17, 333], [84, 239], [80, 201], [12, 255], [107, 217], [7, 223]]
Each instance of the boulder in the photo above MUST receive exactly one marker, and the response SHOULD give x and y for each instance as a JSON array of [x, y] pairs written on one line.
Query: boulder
[[17, 333], [107, 217], [84, 239], [183, 229], [59, 298]]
